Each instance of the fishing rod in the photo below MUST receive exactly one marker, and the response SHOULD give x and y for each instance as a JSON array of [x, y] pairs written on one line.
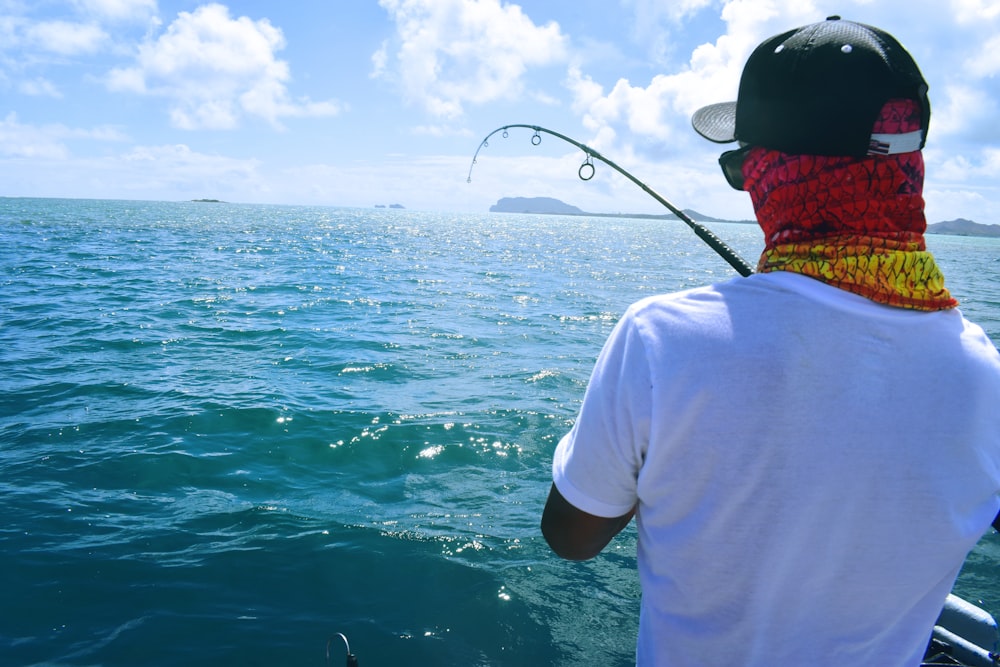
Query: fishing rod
[[587, 170]]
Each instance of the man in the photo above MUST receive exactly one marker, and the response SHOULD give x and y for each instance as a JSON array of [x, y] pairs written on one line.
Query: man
[[810, 452]]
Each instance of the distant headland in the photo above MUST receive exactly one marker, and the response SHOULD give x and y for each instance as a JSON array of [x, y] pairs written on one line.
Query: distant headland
[[963, 227], [550, 206]]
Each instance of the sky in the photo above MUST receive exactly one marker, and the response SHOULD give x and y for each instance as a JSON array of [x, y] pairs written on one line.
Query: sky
[[362, 103]]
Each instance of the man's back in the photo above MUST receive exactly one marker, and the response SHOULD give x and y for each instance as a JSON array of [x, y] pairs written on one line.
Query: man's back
[[812, 469]]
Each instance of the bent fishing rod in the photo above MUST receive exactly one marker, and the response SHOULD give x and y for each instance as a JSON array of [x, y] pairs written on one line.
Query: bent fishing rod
[[587, 171]]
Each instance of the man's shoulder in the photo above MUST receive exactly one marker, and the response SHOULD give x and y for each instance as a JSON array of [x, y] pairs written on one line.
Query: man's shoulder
[[702, 297]]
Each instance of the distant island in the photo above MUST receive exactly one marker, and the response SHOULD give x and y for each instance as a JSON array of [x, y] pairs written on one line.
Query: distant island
[[541, 205], [550, 206], [389, 206], [209, 201]]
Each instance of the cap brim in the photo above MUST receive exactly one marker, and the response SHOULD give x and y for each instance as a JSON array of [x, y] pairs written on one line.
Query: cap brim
[[716, 122]]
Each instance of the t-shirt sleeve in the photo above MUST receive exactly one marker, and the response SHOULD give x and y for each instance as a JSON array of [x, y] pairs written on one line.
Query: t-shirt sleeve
[[596, 465]]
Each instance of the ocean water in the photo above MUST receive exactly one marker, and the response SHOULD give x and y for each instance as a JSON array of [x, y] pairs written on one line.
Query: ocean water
[[230, 432]]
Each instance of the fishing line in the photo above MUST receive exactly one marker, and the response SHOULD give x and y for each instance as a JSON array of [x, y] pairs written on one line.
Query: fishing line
[[587, 171]]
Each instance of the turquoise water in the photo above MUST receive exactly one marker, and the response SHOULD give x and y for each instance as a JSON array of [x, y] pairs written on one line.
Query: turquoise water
[[229, 432]]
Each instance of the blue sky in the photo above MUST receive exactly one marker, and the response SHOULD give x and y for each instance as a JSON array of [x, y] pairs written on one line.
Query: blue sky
[[365, 102]]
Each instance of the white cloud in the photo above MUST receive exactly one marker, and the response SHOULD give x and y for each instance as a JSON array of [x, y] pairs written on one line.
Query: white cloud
[[10, 28], [450, 53], [118, 10], [977, 167], [444, 130], [39, 87], [639, 109], [654, 22], [986, 61], [176, 166], [46, 142], [214, 70], [964, 112], [974, 11], [158, 172], [380, 61], [66, 37], [25, 141]]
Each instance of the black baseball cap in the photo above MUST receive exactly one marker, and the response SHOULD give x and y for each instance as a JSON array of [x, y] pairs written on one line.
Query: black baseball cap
[[818, 90]]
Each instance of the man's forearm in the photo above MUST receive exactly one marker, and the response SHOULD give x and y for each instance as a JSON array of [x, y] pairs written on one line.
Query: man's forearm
[[574, 534]]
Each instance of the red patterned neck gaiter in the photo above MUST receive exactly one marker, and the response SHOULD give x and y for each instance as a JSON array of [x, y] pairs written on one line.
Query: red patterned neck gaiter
[[855, 223]]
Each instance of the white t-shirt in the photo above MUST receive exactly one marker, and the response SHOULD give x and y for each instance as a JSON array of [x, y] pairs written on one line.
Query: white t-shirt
[[811, 469]]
